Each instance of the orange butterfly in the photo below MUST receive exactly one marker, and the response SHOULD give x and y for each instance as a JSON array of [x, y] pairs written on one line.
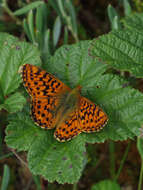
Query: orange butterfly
[[55, 105]]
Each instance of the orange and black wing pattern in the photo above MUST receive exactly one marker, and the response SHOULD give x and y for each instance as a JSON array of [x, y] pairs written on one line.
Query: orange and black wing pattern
[[45, 90]]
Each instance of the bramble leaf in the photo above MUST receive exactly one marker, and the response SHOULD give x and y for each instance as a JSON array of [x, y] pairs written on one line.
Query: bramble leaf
[[14, 102], [134, 22], [121, 50], [13, 54], [62, 162], [123, 106]]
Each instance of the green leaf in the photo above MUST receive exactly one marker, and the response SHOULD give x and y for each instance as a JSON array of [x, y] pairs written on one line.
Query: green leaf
[[26, 28], [127, 7], [21, 131], [28, 8], [140, 145], [62, 162], [74, 66], [123, 106], [121, 50], [56, 30], [13, 54], [31, 25], [5, 178], [69, 6], [113, 17], [134, 22], [14, 102], [106, 185]]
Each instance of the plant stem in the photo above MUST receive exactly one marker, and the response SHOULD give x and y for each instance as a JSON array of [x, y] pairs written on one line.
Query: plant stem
[[141, 176], [112, 159], [123, 160], [6, 8], [75, 186]]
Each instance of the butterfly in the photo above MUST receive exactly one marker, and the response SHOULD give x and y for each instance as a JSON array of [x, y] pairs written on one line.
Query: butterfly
[[55, 105]]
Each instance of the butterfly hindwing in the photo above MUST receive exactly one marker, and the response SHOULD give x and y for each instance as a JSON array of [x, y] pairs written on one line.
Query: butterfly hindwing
[[69, 128], [91, 117]]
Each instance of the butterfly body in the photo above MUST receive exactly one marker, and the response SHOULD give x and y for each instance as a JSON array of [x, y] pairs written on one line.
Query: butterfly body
[[68, 102], [55, 105]]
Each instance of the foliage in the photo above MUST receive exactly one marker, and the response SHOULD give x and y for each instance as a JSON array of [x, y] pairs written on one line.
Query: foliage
[[106, 185], [98, 65], [73, 65]]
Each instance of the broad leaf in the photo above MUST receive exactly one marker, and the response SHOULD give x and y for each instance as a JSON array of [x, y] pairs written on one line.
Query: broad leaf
[[21, 131], [121, 50], [13, 54], [123, 106], [62, 162], [134, 22], [14, 102]]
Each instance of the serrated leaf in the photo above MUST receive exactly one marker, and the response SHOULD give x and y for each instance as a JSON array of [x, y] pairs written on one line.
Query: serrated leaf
[[62, 162], [28, 8], [13, 54], [134, 22], [106, 185], [14, 102], [74, 65], [121, 50], [123, 106], [21, 131]]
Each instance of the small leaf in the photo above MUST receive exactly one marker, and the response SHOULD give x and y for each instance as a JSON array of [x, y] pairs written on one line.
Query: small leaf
[[140, 146], [56, 31], [106, 185], [26, 28], [13, 54], [14, 102], [5, 178], [113, 17], [31, 25], [69, 6], [28, 8], [127, 7], [121, 50]]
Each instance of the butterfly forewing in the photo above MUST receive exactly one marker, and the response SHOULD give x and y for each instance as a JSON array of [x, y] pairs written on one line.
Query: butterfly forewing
[[40, 83], [45, 91]]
